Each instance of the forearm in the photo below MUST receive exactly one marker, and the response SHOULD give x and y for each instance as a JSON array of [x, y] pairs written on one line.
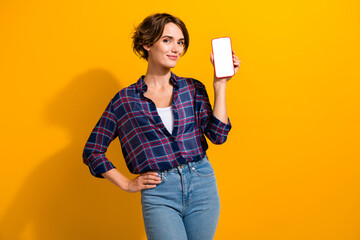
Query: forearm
[[117, 178], [219, 110]]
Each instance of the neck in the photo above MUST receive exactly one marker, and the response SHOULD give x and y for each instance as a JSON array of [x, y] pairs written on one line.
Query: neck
[[157, 78]]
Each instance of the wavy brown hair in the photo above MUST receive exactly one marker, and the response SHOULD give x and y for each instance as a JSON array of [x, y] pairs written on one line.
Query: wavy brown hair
[[151, 29]]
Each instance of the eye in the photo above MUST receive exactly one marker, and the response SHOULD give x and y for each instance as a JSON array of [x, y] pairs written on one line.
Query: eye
[[166, 40], [181, 43]]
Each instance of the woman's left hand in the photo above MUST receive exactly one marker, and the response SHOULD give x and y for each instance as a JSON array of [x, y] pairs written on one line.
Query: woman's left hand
[[236, 67]]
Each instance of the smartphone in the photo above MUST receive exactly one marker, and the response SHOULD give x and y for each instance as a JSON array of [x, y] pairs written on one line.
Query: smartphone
[[223, 60]]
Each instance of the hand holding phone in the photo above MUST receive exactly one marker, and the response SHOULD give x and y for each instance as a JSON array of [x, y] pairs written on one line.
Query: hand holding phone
[[223, 59]]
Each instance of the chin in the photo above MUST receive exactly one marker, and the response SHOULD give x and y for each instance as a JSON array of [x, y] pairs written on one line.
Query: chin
[[170, 65], [174, 63]]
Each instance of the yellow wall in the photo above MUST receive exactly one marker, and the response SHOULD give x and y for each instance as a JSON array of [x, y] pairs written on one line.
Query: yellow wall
[[290, 168]]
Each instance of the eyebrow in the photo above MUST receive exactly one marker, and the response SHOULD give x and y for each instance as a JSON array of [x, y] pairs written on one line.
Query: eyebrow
[[167, 36]]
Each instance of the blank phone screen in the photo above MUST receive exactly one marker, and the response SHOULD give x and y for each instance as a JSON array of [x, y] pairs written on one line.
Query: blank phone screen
[[223, 61]]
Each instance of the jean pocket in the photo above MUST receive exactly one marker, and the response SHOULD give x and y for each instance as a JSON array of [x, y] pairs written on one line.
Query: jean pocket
[[204, 169]]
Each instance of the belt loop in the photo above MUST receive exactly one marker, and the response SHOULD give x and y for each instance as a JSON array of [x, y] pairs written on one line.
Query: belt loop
[[191, 167], [162, 174], [179, 169]]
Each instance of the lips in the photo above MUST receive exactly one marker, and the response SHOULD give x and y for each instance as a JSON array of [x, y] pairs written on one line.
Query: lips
[[173, 57]]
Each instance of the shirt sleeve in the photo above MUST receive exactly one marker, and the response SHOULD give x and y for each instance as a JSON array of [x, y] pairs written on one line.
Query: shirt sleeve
[[215, 130], [100, 138]]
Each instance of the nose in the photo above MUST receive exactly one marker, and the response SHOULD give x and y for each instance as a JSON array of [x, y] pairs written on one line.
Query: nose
[[175, 48]]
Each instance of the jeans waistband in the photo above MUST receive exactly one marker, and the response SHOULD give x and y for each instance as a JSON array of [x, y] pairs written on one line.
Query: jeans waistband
[[182, 167]]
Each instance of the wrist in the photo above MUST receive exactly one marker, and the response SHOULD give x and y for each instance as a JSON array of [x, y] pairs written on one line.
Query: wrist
[[220, 84], [125, 185]]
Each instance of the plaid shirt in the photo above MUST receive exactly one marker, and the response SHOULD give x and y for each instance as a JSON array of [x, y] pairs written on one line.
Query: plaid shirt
[[146, 143]]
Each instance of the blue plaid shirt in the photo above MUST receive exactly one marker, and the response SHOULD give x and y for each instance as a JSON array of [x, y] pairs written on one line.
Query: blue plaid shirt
[[146, 143]]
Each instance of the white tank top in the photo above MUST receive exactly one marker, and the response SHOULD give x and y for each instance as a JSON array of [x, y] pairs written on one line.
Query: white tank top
[[167, 117]]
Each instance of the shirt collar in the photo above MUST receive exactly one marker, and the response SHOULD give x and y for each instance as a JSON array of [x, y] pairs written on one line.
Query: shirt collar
[[142, 87]]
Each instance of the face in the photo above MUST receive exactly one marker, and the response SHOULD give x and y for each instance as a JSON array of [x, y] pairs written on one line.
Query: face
[[166, 51]]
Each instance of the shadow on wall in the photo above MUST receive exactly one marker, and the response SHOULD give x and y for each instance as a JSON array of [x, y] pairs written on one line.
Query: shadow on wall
[[61, 199]]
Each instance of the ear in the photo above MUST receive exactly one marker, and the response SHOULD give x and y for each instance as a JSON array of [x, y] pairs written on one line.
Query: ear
[[146, 47]]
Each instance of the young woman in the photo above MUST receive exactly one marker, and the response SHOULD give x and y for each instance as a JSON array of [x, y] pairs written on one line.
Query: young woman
[[161, 122]]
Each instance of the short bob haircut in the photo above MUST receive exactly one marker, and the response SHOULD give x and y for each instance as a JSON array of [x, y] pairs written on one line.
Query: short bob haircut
[[151, 29]]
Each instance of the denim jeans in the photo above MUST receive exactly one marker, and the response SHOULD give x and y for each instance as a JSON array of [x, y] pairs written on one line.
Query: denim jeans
[[184, 206]]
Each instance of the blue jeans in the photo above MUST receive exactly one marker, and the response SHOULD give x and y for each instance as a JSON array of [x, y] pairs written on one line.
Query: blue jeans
[[184, 206]]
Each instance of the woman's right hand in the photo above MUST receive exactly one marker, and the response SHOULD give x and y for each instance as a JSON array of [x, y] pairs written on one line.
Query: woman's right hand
[[143, 181]]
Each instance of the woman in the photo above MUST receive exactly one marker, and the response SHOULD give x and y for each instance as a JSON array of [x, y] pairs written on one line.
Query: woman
[[161, 121]]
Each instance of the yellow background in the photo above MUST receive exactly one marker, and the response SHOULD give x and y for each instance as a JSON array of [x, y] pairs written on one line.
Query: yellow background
[[290, 167]]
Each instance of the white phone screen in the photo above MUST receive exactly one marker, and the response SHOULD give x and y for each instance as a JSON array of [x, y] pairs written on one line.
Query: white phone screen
[[223, 61]]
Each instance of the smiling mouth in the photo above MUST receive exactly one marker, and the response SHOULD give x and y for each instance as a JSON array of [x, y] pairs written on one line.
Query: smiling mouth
[[172, 57]]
